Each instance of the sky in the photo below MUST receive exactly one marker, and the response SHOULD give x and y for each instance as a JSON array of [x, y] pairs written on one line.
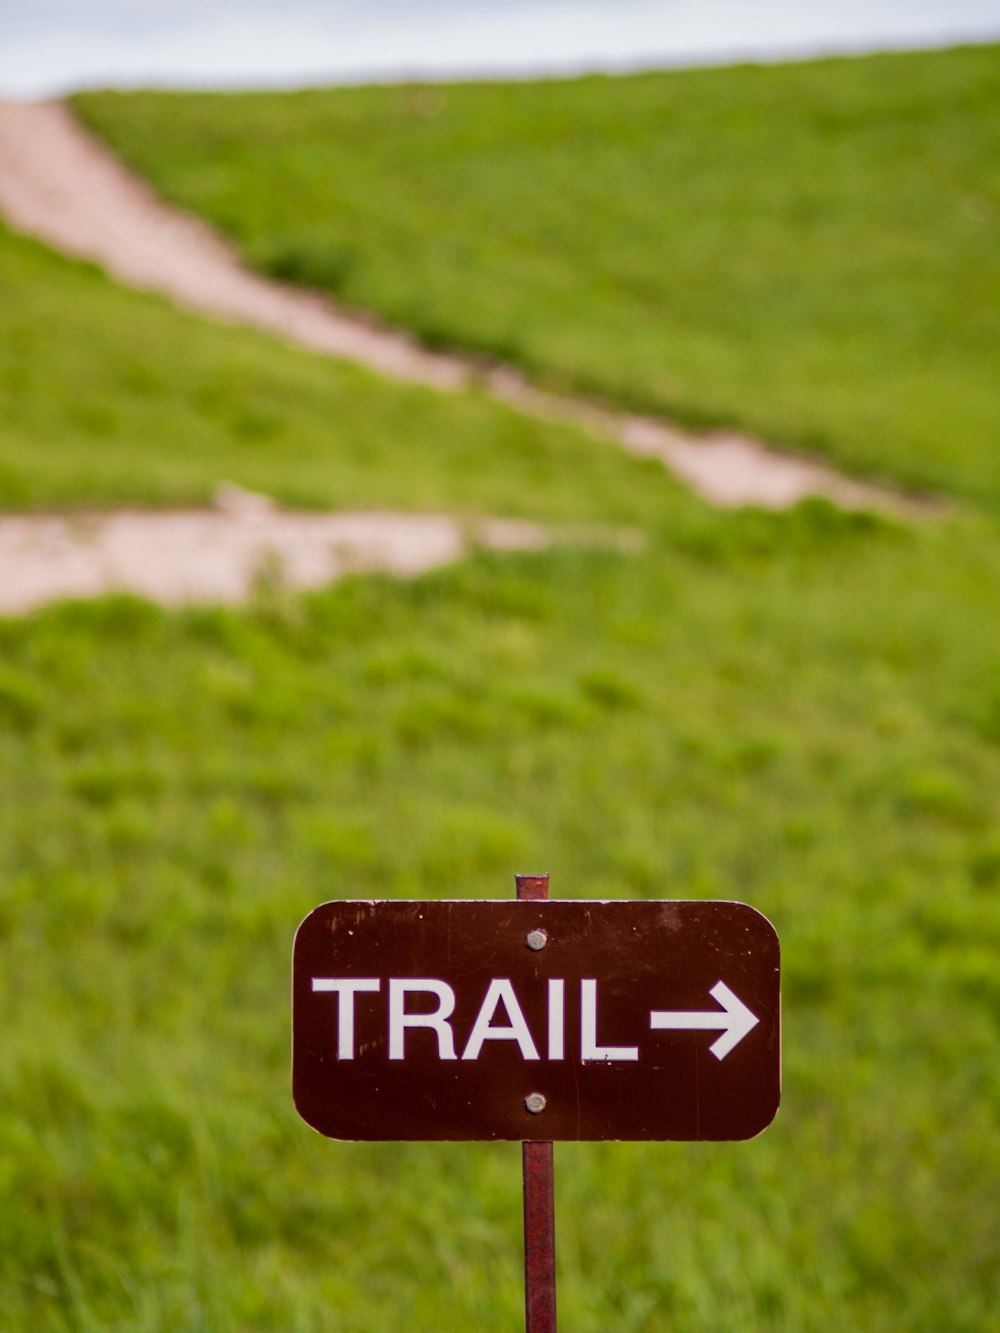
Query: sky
[[52, 46]]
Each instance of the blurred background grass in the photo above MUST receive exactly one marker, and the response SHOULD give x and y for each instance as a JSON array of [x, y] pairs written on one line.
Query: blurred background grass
[[808, 251], [798, 710], [108, 396]]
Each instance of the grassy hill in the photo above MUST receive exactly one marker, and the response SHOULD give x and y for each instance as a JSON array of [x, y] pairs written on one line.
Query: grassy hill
[[808, 251], [109, 396], [798, 710]]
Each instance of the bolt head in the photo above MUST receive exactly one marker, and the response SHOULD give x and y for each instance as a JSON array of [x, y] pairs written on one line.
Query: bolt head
[[535, 1102], [536, 939]]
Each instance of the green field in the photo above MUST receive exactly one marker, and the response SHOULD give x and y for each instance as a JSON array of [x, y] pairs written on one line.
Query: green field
[[801, 711], [808, 251]]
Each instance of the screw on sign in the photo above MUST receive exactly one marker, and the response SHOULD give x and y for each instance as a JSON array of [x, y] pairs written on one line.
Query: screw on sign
[[536, 1021]]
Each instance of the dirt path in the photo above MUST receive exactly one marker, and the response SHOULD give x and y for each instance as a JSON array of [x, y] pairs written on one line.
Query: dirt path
[[175, 557], [59, 184]]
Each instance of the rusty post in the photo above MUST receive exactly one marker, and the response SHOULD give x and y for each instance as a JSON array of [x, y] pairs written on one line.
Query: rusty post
[[539, 1195]]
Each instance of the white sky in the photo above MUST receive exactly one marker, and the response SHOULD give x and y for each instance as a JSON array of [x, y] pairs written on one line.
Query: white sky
[[49, 46]]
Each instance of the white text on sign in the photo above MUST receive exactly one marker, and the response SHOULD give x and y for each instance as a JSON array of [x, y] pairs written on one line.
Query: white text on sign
[[500, 1017]]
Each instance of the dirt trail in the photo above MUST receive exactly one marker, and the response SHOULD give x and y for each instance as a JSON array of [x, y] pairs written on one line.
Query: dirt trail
[[175, 557], [60, 184]]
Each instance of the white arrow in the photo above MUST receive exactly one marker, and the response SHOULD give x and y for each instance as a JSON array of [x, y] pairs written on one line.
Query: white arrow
[[735, 1020]]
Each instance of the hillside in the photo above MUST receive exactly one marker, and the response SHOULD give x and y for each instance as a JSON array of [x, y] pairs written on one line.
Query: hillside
[[109, 396], [800, 710], [811, 252]]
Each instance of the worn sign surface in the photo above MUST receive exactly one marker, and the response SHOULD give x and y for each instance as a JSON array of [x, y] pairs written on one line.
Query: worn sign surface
[[536, 1020]]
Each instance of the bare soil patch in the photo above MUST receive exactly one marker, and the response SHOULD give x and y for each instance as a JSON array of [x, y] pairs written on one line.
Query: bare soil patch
[[220, 555]]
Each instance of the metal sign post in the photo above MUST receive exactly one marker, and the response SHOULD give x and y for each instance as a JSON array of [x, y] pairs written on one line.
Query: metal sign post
[[538, 1175], [533, 1021]]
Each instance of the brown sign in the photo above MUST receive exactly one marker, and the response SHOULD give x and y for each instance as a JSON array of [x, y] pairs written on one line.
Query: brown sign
[[536, 1020]]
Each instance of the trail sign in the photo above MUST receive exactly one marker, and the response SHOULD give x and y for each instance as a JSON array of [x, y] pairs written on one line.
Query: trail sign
[[536, 1020]]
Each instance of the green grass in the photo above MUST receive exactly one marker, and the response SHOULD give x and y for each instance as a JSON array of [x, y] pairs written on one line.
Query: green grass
[[109, 396], [810, 251], [801, 712]]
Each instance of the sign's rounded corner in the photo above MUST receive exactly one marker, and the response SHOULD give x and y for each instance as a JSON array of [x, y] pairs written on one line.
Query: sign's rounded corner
[[303, 1110], [760, 918], [749, 1138], [315, 911]]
